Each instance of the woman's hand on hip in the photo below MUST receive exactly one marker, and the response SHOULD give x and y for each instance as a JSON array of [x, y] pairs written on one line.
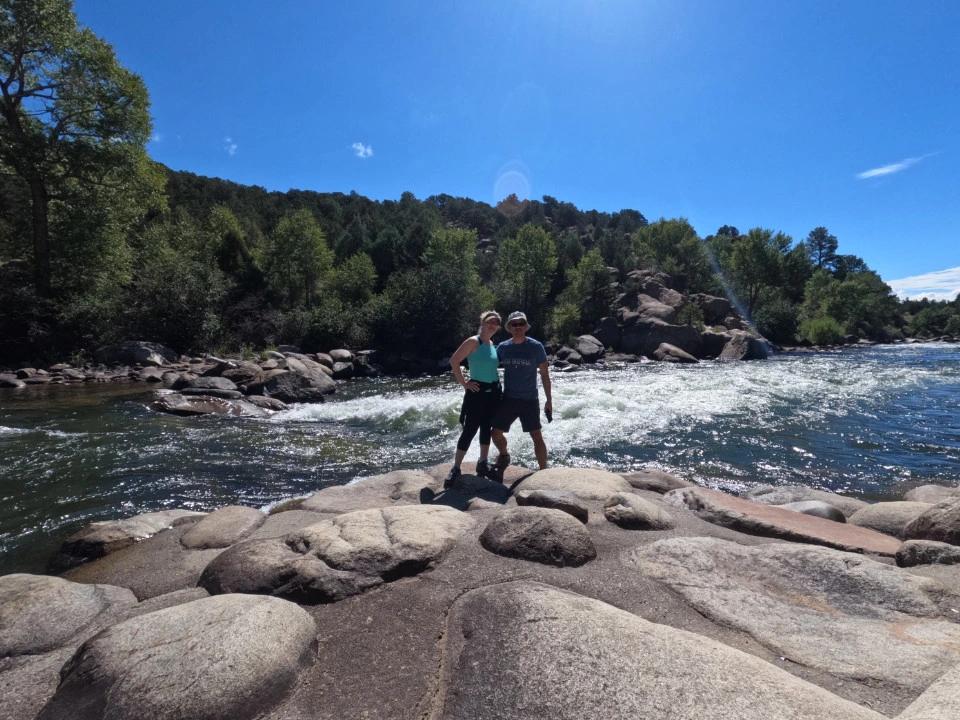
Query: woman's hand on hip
[[472, 386]]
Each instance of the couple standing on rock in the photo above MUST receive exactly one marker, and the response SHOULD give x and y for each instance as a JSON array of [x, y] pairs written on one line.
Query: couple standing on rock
[[492, 410]]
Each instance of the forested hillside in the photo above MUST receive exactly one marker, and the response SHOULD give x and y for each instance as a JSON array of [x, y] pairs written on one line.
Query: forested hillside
[[99, 244]]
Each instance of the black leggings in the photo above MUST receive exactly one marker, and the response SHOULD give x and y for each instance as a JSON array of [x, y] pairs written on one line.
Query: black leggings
[[477, 414]]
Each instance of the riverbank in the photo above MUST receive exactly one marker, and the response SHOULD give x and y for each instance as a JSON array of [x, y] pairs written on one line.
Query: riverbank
[[567, 593]]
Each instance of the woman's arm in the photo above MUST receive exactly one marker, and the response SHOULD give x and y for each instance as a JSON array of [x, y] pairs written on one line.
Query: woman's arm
[[466, 347]]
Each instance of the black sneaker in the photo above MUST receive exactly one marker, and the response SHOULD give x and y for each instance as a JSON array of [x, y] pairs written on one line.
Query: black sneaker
[[483, 469], [451, 477], [496, 472]]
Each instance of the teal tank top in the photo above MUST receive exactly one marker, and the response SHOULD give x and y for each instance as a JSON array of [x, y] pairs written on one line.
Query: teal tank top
[[483, 363]]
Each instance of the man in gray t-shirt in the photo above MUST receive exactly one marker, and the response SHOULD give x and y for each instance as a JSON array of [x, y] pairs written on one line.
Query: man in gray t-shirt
[[522, 359]]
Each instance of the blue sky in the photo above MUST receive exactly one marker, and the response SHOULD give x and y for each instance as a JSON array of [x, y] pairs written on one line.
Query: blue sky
[[785, 115]]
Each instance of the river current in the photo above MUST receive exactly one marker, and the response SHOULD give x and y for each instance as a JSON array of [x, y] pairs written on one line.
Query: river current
[[867, 421]]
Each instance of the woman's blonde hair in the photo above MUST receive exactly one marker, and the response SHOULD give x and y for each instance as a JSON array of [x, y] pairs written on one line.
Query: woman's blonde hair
[[486, 315]]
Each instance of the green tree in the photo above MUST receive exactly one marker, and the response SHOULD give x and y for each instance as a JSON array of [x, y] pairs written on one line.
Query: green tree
[[297, 261], [822, 248], [588, 289], [673, 247], [525, 267], [71, 120], [754, 264], [356, 279]]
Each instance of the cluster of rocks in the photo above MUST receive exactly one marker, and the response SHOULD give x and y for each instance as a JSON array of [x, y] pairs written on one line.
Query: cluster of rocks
[[566, 593], [149, 362], [647, 325]]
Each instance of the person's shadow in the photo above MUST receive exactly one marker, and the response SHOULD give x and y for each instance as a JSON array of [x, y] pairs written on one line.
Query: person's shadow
[[467, 487]]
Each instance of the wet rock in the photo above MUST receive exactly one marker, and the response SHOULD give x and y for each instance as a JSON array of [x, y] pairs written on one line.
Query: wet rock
[[670, 353], [267, 403], [590, 348], [891, 518], [838, 612], [334, 559], [39, 613], [940, 522], [541, 535], [191, 405], [555, 500], [655, 480], [743, 346], [222, 528], [555, 654], [208, 382], [8, 380], [343, 370], [634, 513], [231, 657], [132, 352], [783, 494], [213, 392], [102, 538], [770, 521], [927, 552], [585, 483], [816, 508], [290, 387], [341, 355]]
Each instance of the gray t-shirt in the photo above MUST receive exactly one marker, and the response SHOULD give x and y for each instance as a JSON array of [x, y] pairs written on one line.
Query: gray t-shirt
[[520, 362]]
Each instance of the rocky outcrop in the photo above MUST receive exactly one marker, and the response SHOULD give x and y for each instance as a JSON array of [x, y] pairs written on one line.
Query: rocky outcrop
[[540, 535], [134, 352], [191, 405], [744, 346], [226, 658], [816, 606], [557, 654]]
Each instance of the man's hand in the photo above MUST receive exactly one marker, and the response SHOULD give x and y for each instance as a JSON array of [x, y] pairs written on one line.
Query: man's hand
[[548, 410]]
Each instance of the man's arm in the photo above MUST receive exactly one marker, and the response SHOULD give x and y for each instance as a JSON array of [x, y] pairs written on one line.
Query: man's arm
[[545, 380]]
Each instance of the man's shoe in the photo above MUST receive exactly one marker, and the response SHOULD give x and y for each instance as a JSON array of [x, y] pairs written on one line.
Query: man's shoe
[[451, 477], [496, 472], [483, 469]]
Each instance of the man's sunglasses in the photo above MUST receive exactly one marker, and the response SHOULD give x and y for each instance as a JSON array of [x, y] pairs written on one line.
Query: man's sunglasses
[[516, 324]]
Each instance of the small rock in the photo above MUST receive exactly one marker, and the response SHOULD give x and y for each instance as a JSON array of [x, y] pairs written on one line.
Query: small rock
[[927, 552], [542, 535], [556, 500], [816, 508], [585, 483], [655, 480], [931, 494], [634, 513], [222, 528], [891, 518], [940, 522]]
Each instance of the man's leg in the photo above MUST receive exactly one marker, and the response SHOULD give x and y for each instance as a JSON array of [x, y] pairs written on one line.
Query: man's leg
[[499, 439], [539, 448]]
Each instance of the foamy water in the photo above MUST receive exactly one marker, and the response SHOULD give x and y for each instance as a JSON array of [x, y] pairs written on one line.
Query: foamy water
[[864, 421]]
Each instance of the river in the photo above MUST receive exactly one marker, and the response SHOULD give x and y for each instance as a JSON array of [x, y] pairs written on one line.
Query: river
[[869, 421]]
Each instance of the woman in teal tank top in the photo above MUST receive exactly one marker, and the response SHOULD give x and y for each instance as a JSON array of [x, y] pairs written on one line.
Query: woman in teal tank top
[[482, 396]]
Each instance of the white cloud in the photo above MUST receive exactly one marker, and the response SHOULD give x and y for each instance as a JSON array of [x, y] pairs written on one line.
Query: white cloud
[[156, 137], [939, 285], [893, 168], [361, 150], [230, 147]]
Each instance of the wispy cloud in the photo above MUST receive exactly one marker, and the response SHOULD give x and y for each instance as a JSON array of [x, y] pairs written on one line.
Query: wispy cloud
[[156, 137], [893, 168], [230, 147], [939, 285], [361, 150]]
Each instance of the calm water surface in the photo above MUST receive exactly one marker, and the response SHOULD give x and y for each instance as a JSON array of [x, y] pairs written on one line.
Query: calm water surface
[[867, 421]]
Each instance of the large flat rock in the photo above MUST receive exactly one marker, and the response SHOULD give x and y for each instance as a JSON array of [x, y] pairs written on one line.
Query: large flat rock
[[526, 650], [838, 612], [222, 528], [400, 487], [941, 701], [770, 521], [229, 658], [585, 483], [783, 494], [343, 556]]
